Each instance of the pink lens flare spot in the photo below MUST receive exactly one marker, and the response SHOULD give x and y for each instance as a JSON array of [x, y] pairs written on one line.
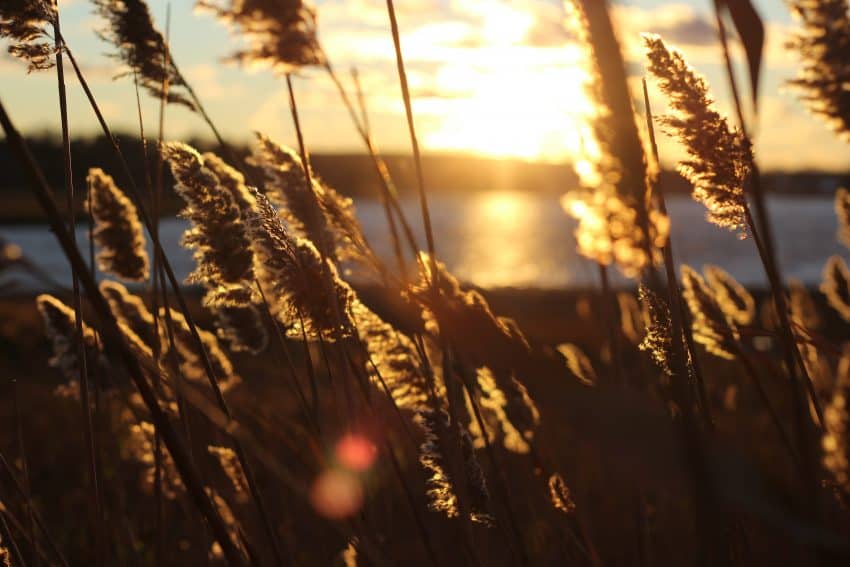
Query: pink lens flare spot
[[356, 452], [336, 494]]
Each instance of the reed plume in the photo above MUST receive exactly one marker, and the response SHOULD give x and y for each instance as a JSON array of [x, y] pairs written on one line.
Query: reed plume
[[559, 494], [288, 187], [242, 328], [836, 286], [733, 298], [479, 337], [578, 363], [232, 180], [394, 362], [139, 448], [348, 556], [117, 230], [442, 495], [721, 157], [334, 226], [229, 518], [631, 317], [822, 44], [218, 234], [5, 556], [495, 406], [804, 312], [281, 34], [232, 468], [60, 328], [133, 317], [24, 24], [394, 357], [658, 340], [616, 222], [142, 48], [836, 436], [190, 359], [842, 211], [292, 275], [712, 327]]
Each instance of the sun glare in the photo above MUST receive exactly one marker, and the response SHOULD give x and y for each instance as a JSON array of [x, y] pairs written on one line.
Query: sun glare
[[530, 115], [512, 99]]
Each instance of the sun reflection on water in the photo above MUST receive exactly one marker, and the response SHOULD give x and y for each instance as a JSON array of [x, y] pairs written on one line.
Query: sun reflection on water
[[499, 246]]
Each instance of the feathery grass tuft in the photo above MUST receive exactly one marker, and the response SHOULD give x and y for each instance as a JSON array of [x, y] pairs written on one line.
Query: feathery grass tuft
[[117, 230], [559, 493], [836, 437], [24, 24], [658, 340], [842, 211], [578, 363], [242, 328], [133, 317], [721, 157], [822, 43], [836, 286], [291, 274], [142, 48], [711, 325], [733, 298], [60, 327], [218, 234], [281, 34]]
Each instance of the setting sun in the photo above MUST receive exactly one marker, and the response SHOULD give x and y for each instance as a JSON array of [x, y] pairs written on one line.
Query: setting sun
[[509, 112]]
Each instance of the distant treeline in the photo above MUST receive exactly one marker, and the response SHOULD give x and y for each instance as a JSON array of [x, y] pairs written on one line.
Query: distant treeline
[[351, 174]]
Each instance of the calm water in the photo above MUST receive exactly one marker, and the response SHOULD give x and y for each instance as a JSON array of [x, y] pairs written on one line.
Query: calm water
[[501, 239]]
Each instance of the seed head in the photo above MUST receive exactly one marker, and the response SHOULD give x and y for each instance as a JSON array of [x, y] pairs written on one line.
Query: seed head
[[721, 157], [117, 230]]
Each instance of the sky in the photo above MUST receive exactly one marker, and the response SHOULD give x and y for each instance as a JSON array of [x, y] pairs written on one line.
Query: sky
[[500, 78]]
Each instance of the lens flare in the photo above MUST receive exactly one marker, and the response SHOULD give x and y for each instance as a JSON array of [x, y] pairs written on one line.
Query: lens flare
[[336, 494], [355, 452]]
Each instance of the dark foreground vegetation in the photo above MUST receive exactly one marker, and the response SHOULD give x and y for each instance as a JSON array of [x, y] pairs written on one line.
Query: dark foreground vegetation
[[268, 412]]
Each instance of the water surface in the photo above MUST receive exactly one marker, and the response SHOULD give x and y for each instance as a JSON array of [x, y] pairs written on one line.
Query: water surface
[[507, 238]]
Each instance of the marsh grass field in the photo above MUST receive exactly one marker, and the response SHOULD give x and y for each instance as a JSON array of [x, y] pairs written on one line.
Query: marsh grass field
[[296, 387]]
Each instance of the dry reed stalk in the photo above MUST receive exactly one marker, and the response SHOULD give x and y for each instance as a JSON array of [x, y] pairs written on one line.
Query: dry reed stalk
[[721, 164], [113, 340], [389, 194], [39, 522], [754, 185], [414, 141], [88, 427], [684, 364]]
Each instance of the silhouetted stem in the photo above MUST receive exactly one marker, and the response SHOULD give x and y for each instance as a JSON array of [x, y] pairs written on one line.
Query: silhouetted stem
[[85, 399], [414, 142]]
